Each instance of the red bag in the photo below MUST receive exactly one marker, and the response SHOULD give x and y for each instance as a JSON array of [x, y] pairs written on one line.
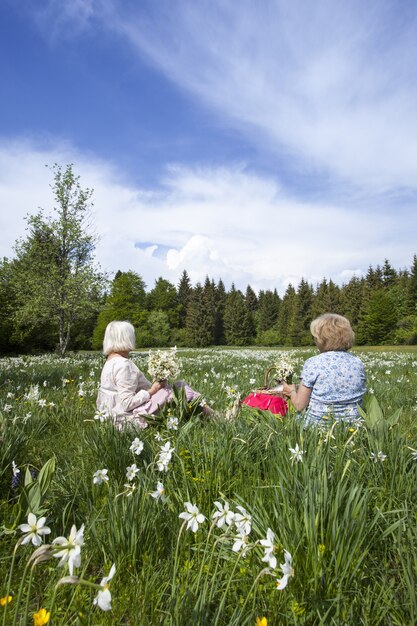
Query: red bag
[[266, 402]]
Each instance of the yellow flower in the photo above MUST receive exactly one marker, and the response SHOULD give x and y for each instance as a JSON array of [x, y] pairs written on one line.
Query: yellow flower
[[41, 617], [261, 621], [5, 600]]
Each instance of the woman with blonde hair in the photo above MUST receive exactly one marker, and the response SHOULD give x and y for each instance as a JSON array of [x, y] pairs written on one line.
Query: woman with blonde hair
[[333, 382], [125, 394]]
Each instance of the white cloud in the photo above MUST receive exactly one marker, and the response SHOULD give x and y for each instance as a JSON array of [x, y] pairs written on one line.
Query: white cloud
[[221, 222], [332, 83]]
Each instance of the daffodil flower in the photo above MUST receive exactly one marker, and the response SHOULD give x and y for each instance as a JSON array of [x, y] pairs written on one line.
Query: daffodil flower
[[243, 521], [296, 454], [159, 493], [136, 446], [70, 548], [240, 544], [131, 472], [103, 598], [287, 571], [223, 515], [269, 546], [380, 457], [100, 476], [34, 530], [192, 516]]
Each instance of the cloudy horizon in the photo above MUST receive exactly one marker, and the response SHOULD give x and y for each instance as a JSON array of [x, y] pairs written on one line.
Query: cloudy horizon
[[256, 146]]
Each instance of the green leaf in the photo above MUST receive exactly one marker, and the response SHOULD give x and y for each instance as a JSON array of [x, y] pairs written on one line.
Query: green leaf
[[45, 475]]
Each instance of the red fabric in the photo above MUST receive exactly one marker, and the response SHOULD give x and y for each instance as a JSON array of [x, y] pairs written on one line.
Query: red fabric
[[266, 402]]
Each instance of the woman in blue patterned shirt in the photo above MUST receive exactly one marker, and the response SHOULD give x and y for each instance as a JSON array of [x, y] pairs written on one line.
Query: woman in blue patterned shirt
[[333, 382]]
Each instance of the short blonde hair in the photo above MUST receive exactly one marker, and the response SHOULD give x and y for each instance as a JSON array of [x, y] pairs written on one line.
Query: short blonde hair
[[332, 332], [119, 337]]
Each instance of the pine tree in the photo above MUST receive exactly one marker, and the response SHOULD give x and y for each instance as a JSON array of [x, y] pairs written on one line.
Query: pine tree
[[219, 338], [389, 275], [251, 299], [199, 322], [184, 292], [287, 315], [268, 309], [238, 323]]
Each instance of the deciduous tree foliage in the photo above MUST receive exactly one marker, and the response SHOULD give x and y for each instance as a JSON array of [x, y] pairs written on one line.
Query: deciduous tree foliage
[[56, 281]]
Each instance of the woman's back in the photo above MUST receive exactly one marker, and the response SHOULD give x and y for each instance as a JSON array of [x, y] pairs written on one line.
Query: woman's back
[[337, 380]]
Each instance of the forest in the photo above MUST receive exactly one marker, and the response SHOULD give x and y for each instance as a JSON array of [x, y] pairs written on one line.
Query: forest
[[53, 295]]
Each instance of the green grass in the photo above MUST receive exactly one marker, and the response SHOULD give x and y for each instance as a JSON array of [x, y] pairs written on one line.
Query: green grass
[[349, 522]]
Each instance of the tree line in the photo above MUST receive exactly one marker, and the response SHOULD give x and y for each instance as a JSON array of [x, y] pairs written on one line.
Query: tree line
[[53, 296]]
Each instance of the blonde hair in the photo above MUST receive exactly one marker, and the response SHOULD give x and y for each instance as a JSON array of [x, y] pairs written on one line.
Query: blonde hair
[[332, 332], [119, 337]]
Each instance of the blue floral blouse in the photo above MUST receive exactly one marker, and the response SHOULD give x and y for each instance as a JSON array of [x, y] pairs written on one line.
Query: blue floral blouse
[[337, 380]]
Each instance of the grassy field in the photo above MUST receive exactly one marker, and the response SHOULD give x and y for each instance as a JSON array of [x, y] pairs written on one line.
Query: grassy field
[[329, 512]]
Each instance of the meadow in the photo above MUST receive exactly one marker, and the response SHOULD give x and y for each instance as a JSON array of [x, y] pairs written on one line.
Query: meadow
[[329, 514]]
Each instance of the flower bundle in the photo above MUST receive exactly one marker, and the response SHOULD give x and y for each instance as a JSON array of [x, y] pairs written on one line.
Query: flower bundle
[[163, 364], [285, 367]]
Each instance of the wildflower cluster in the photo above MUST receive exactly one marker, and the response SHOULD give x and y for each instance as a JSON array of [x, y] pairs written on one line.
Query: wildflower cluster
[[285, 367], [164, 364]]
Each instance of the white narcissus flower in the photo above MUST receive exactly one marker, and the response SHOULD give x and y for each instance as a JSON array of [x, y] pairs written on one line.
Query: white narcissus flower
[[240, 544], [137, 446], [172, 423], [243, 521], [223, 515], [380, 457], [131, 472], [70, 548], [296, 454], [34, 529], [192, 516], [287, 571], [100, 476], [103, 598], [269, 546], [159, 493]]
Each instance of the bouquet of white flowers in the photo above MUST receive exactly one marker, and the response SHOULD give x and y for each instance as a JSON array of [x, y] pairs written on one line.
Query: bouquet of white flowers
[[284, 367], [164, 364]]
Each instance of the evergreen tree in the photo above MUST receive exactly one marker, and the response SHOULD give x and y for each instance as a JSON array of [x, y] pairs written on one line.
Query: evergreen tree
[[238, 323], [287, 315], [351, 299], [268, 309], [379, 320], [199, 322], [412, 288], [219, 338], [251, 299], [389, 275], [184, 293], [299, 327]]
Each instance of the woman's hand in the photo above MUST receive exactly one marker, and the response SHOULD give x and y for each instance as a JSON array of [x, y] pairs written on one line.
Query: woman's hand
[[157, 386], [287, 389], [300, 398]]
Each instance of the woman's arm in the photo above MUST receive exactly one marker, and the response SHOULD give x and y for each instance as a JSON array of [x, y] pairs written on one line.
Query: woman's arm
[[299, 398], [127, 379]]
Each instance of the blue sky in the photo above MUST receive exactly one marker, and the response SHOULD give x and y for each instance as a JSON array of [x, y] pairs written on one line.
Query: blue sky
[[258, 144]]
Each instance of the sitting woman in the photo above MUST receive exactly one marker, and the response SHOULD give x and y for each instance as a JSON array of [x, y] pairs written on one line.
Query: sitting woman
[[125, 394], [333, 382]]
